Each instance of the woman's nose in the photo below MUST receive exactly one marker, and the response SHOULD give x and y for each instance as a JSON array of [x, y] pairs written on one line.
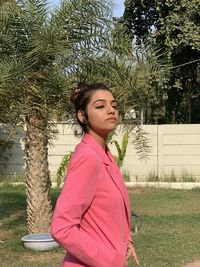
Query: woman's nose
[[111, 110]]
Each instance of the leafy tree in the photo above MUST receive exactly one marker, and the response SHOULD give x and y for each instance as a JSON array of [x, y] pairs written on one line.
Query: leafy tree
[[173, 25]]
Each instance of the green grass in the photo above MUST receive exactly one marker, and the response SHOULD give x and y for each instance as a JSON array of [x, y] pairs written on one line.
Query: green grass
[[169, 235], [170, 226], [13, 227]]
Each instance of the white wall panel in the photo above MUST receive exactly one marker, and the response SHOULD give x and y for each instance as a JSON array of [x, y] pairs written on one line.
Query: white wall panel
[[175, 149]]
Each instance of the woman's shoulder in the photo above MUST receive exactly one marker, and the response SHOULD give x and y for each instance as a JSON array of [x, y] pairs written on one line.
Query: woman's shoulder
[[84, 156], [85, 151]]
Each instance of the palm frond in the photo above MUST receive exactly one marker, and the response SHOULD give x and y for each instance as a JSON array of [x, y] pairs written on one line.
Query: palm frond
[[141, 143]]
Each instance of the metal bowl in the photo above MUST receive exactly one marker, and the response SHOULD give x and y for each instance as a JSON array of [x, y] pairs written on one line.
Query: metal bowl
[[39, 242]]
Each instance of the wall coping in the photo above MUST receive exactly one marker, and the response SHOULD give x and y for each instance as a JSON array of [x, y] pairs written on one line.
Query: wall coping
[[129, 185], [167, 185]]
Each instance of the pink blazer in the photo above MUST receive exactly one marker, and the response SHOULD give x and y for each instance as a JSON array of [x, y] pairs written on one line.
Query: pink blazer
[[91, 217]]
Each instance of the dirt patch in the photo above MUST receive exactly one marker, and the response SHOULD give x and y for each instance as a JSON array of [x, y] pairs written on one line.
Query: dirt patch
[[5, 235], [137, 190], [192, 264], [43, 257]]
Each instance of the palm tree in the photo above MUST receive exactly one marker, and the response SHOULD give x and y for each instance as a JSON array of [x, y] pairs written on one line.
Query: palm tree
[[42, 54], [40, 48]]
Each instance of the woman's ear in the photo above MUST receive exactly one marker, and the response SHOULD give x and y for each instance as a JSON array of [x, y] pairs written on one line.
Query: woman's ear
[[81, 116]]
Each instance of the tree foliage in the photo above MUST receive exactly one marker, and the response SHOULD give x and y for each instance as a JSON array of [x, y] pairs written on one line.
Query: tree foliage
[[174, 26], [138, 74]]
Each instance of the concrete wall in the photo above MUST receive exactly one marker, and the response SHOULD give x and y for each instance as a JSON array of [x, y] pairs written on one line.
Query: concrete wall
[[14, 165], [175, 152]]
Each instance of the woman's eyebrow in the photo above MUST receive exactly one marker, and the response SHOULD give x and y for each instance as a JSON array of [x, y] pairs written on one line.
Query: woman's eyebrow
[[100, 99], [103, 100]]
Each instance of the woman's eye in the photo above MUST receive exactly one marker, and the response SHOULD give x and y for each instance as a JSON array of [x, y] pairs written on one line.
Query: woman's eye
[[115, 107], [100, 106]]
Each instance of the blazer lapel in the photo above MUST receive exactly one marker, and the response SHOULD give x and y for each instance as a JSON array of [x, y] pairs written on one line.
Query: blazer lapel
[[117, 178], [112, 170]]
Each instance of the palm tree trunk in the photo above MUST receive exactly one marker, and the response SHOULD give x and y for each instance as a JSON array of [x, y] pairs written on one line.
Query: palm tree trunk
[[38, 184]]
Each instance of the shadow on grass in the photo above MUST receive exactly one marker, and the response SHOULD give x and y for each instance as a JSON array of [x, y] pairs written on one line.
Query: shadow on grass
[[14, 222], [12, 208], [13, 215], [13, 204], [11, 200]]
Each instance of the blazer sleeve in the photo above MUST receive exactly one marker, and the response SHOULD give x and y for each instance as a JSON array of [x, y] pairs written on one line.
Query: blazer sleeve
[[76, 196]]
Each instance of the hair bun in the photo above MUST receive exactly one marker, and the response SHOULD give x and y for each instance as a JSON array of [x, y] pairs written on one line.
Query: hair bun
[[82, 90], [74, 95], [77, 91]]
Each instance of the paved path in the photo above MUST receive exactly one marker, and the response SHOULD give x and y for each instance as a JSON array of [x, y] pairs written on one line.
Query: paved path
[[192, 264]]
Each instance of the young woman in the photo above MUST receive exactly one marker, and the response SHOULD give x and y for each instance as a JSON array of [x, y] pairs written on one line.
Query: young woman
[[92, 214]]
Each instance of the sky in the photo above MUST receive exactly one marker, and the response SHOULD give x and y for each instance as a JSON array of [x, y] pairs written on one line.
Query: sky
[[116, 13], [119, 10]]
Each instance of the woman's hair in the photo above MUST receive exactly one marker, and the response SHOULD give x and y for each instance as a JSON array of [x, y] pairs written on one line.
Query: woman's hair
[[80, 97]]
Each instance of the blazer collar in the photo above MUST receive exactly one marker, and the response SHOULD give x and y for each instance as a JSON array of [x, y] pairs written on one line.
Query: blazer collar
[[105, 154], [111, 167]]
